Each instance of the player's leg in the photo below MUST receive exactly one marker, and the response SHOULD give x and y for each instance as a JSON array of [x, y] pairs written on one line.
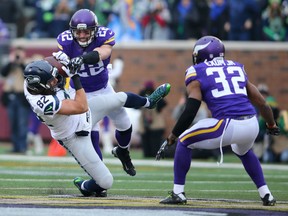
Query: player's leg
[[95, 140], [106, 135], [247, 131], [123, 134], [82, 150], [194, 137]]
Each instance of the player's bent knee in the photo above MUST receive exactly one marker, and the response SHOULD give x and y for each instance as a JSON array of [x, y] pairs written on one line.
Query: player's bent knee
[[106, 181]]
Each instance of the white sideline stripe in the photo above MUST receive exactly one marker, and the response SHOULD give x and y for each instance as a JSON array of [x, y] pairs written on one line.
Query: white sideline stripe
[[103, 212], [115, 161]]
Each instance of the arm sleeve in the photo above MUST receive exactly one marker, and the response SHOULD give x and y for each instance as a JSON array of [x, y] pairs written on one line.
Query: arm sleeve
[[187, 117]]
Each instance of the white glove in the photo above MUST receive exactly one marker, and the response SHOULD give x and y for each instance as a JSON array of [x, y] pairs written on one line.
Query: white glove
[[61, 57], [68, 72]]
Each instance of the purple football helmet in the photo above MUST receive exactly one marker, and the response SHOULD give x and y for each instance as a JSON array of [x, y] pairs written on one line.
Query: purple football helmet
[[207, 48], [84, 22]]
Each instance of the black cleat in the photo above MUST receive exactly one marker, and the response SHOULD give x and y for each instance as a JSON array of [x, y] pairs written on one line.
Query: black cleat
[[173, 199], [267, 202], [102, 193], [124, 157]]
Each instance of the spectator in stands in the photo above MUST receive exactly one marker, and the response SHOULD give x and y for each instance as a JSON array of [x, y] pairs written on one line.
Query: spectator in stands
[[152, 124], [155, 22], [125, 20], [274, 149], [264, 142], [283, 141], [44, 19], [274, 22], [14, 100], [34, 137], [4, 32], [63, 12], [85, 4], [241, 16], [189, 19], [218, 18], [10, 14]]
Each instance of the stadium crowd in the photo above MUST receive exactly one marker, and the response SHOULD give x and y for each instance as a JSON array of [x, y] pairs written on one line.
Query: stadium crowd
[[244, 20]]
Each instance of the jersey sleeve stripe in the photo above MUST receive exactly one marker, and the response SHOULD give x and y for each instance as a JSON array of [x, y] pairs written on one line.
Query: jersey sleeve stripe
[[57, 102], [109, 40], [190, 75]]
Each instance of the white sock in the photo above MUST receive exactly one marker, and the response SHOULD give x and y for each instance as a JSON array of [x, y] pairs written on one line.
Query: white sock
[[263, 190], [178, 188], [82, 186], [147, 103]]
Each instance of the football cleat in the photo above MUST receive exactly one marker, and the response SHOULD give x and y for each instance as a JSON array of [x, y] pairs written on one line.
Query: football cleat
[[174, 198], [78, 182], [162, 91], [102, 193], [267, 202], [124, 157]]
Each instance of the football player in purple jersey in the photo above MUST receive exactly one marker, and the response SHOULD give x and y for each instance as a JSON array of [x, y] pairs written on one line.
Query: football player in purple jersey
[[91, 44], [224, 86], [71, 117]]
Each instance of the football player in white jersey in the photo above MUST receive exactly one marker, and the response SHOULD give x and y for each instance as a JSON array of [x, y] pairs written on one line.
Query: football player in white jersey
[[70, 119]]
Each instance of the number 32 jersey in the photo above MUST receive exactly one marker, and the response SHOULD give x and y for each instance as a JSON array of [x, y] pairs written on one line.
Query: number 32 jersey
[[223, 87]]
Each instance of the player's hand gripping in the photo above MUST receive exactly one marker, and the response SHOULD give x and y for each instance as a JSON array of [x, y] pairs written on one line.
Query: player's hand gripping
[[62, 58], [274, 130], [75, 64], [171, 140]]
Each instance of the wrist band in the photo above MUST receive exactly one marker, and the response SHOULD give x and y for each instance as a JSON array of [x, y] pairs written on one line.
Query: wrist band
[[77, 82]]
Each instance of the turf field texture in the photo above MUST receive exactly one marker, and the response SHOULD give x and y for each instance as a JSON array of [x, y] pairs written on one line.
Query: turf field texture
[[31, 182]]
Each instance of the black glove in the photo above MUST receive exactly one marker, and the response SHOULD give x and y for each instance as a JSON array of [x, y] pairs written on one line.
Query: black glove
[[75, 64], [161, 152], [275, 131]]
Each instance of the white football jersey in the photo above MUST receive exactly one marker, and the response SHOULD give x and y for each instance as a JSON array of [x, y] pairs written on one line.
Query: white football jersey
[[61, 126]]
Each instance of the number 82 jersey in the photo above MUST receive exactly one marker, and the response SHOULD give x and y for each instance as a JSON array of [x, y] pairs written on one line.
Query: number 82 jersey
[[46, 108]]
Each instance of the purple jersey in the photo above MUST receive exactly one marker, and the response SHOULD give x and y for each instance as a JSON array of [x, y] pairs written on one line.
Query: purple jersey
[[93, 77], [223, 87]]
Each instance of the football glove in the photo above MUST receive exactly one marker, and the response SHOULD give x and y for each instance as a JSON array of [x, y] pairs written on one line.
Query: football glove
[[68, 72], [275, 131], [61, 57], [165, 145], [75, 64], [161, 152]]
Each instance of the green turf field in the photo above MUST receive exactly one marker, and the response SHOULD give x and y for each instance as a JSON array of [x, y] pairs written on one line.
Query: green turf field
[[41, 177]]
